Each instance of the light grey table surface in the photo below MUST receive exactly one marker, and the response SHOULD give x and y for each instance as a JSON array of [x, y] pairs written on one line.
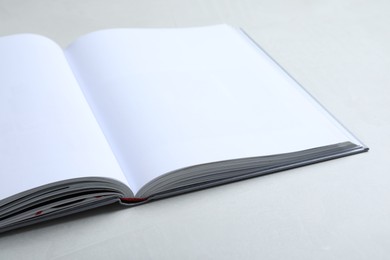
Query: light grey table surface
[[338, 49]]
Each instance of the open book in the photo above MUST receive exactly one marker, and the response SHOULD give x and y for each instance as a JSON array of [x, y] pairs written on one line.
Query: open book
[[134, 115]]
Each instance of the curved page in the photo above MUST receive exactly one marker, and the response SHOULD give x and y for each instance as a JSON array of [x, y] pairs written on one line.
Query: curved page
[[172, 98], [47, 131]]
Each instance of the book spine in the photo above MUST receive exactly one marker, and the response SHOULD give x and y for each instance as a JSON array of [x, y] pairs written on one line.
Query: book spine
[[132, 200]]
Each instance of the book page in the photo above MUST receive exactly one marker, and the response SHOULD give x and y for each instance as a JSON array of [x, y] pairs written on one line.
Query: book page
[[47, 131], [172, 98]]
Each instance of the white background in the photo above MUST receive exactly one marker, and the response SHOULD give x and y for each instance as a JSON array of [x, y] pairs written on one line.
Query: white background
[[338, 50]]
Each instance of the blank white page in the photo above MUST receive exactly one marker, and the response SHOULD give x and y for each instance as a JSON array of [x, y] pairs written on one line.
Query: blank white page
[[47, 131], [171, 98]]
